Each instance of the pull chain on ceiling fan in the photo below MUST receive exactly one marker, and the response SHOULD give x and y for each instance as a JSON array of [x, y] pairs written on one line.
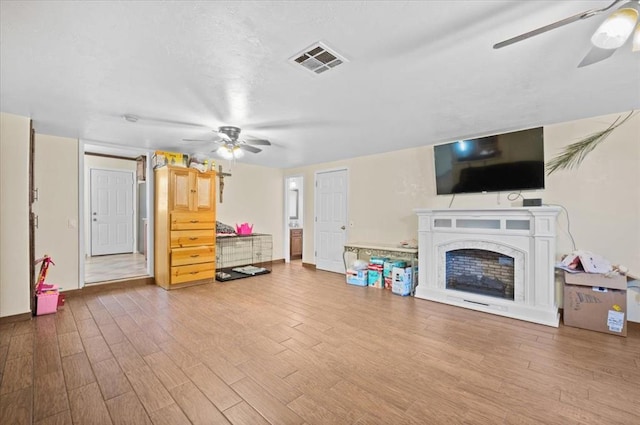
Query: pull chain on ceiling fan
[[610, 35]]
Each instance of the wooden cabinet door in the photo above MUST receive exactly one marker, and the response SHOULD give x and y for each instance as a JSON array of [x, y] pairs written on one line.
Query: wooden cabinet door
[[205, 192], [296, 244], [181, 189]]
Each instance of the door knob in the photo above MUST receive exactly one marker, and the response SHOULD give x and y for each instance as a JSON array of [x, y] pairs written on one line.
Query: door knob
[[343, 227]]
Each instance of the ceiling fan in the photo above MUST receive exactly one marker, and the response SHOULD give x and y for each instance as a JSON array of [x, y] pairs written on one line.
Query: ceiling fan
[[230, 146], [610, 35]]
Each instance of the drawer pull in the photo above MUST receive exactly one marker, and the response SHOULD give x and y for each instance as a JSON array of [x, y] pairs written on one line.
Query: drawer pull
[[195, 255], [195, 221], [193, 238], [195, 272]]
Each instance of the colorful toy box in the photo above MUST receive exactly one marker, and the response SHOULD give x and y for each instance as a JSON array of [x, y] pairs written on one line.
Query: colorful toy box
[[47, 295], [47, 302]]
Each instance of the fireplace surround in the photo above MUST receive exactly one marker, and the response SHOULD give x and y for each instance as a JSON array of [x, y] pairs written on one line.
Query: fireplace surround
[[520, 241]]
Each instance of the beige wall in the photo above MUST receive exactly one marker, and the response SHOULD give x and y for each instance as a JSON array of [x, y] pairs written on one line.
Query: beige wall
[[254, 195], [57, 235], [15, 294], [602, 196]]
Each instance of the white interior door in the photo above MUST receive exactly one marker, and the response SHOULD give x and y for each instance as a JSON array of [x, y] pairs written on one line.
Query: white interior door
[[331, 220], [111, 212]]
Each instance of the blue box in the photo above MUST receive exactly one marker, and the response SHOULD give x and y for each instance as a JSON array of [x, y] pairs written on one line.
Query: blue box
[[357, 277], [378, 260], [375, 278], [402, 281], [390, 264]]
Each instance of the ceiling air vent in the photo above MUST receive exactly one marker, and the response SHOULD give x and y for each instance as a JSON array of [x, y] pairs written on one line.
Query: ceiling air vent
[[318, 58]]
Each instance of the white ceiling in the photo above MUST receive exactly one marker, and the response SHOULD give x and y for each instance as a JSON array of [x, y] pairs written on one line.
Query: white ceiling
[[418, 73]]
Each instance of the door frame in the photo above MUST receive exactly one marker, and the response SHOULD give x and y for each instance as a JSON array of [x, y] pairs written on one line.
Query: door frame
[[316, 203], [285, 239], [32, 218], [134, 205], [107, 149]]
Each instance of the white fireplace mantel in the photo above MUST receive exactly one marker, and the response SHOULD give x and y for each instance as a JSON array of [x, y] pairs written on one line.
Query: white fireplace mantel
[[526, 234]]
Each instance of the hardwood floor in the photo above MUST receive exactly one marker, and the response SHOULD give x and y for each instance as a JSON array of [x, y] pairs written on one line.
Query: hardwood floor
[[299, 346]]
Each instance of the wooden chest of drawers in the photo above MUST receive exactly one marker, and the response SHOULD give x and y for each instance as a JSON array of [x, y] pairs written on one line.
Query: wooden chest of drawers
[[185, 237]]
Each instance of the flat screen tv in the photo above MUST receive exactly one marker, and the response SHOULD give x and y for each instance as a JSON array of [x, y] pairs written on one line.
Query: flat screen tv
[[502, 162]]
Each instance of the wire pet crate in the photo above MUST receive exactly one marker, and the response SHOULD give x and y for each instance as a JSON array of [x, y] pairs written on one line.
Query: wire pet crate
[[243, 256]]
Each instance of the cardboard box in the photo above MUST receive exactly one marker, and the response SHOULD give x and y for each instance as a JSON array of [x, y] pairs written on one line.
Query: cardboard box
[[402, 282], [375, 277], [596, 302], [377, 260], [176, 159], [357, 277], [390, 264]]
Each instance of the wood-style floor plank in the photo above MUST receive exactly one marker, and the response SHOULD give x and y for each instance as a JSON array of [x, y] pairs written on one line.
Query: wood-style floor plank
[[170, 415], [149, 389], [51, 393], [196, 406], [62, 418], [70, 343], [126, 409], [220, 394], [243, 414], [17, 375], [88, 406], [299, 346], [15, 407], [77, 371], [111, 379]]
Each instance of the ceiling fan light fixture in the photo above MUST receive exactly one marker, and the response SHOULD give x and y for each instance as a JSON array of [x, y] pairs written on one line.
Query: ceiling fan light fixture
[[225, 152], [230, 152], [237, 152], [616, 29], [636, 40]]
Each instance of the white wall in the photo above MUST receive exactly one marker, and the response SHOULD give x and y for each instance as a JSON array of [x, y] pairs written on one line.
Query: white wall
[[15, 296], [602, 196], [57, 235], [254, 195]]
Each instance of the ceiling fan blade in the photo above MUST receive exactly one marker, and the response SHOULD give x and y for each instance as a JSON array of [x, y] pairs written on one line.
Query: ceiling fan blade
[[596, 54], [259, 142], [249, 148], [570, 19], [196, 140]]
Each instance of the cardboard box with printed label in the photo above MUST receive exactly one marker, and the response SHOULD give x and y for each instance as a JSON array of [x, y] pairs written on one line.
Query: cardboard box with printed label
[[596, 302], [357, 277], [164, 158], [402, 282]]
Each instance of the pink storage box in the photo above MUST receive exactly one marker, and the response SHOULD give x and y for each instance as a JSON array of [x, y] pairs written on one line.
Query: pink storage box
[[46, 303]]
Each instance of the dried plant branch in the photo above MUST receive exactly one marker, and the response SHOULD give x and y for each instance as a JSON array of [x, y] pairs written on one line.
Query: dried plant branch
[[574, 153]]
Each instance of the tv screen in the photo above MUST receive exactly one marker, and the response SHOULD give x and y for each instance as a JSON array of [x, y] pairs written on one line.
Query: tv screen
[[503, 162]]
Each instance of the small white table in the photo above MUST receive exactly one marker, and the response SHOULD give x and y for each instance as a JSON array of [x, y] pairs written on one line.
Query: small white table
[[393, 252]]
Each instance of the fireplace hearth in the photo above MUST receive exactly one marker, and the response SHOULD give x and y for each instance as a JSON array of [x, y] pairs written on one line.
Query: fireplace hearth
[[499, 261]]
